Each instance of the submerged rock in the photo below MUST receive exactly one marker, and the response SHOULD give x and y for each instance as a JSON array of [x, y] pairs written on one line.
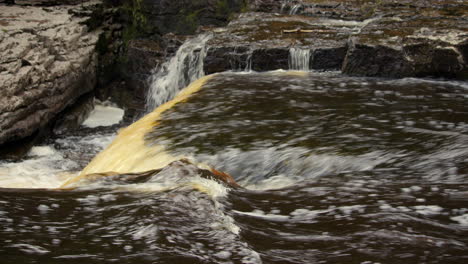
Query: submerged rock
[[47, 61], [177, 170]]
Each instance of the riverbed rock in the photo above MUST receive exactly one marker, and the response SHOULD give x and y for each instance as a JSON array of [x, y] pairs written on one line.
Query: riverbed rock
[[262, 42], [184, 16], [44, 2], [403, 47], [176, 170], [384, 39], [47, 61], [143, 57]]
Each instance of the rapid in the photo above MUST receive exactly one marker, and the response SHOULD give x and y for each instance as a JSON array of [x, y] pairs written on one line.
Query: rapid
[[331, 168]]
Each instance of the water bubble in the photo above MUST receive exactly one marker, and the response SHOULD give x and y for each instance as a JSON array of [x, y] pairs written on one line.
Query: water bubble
[[223, 255], [43, 209]]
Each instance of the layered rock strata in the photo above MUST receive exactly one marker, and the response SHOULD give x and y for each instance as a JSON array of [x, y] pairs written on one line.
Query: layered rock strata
[[47, 61], [360, 38]]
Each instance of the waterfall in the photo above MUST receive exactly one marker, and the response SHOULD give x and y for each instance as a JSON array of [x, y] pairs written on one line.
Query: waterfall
[[299, 59], [182, 69], [248, 63], [294, 9], [285, 4]]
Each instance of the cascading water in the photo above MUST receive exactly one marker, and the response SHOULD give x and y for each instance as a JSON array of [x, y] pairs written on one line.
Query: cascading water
[[295, 9], [299, 59], [283, 5], [184, 68], [289, 4]]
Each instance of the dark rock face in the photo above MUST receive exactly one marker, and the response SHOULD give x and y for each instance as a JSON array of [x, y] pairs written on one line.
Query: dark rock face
[[143, 56], [72, 117], [47, 61], [45, 2], [268, 6], [396, 47], [262, 42], [270, 59], [184, 16], [328, 58], [365, 60]]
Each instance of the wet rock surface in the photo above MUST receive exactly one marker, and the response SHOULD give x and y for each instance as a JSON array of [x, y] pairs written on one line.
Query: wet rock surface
[[361, 38], [264, 41], [47, 61], [423, 45], [184, 16]]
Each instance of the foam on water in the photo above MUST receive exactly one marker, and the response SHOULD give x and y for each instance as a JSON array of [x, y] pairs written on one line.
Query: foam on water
[[44, 167], [104, 116], [48, 167], [273, 168], [462, 219]]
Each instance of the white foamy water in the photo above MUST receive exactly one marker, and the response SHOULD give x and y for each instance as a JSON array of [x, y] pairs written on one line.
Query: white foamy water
[[44, 167], [184, 68], [271, 168], [294, 9], [47, 167], [462, 219], [299, 59], [104, 116]]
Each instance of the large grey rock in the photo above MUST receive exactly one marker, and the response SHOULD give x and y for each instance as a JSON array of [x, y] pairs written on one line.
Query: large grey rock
[[47, 61]]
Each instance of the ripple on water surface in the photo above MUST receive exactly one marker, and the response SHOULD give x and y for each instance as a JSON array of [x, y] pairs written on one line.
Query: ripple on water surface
[[336, 170]]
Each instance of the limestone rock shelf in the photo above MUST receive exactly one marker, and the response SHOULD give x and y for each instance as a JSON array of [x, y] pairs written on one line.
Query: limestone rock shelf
[[47, 61], [394, 39]]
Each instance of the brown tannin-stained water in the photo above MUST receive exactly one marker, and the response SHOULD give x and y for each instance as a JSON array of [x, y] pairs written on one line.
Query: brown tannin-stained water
[[334, 169]]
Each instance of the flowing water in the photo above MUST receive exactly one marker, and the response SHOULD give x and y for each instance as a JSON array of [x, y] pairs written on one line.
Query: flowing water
[[333, 169], [299, 59], [182, 69]]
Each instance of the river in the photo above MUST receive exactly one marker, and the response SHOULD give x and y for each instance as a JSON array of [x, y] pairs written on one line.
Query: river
[[333, 169]]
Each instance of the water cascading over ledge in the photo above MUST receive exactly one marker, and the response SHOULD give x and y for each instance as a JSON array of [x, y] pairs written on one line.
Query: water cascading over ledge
[[299, 59], [181, 70]]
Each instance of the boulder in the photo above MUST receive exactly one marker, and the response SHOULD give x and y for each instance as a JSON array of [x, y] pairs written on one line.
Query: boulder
[[47, 61], [177, 170]]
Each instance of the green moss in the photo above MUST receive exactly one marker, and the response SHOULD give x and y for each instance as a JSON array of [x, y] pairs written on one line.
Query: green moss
[[222, 8], [96, 19], [245, 7], [137, 23], [102, 44], [188, 22]]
